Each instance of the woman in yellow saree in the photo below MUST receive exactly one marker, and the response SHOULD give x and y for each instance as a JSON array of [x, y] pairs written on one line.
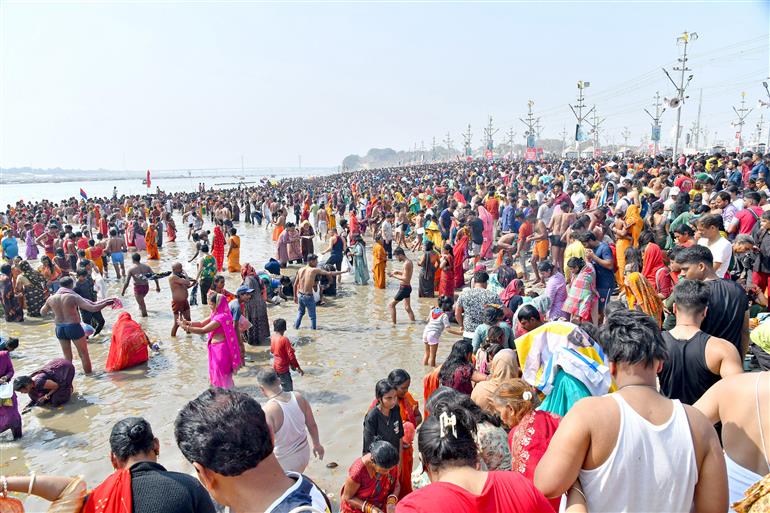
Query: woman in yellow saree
[[642, 296]]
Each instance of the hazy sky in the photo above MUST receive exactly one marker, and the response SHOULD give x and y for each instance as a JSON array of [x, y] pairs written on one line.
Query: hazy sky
[[167, 85]]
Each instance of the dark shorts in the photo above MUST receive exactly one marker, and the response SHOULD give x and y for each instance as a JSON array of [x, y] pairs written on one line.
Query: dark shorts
[[556, 241], [141, 289], [604, 298], [73, 331], [403, 292], [336, 260], [286, 383]]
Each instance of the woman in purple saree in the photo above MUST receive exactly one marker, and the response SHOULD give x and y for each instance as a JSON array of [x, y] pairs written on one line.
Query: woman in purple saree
[[224, 353]]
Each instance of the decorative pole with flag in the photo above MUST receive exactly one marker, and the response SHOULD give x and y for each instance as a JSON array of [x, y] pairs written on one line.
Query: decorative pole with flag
[[83, 194], [148, 178]]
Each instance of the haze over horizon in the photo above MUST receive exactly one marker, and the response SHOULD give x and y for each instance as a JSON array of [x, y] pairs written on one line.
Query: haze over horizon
[[196, 85]]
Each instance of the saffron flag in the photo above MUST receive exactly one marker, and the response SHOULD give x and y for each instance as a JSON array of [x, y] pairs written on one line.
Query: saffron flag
[[148, 178], [83, 194]]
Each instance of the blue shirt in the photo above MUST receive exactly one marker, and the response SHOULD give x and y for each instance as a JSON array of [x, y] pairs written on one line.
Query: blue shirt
[[759, 169], [605, 278], [10, 247], [507, 218]]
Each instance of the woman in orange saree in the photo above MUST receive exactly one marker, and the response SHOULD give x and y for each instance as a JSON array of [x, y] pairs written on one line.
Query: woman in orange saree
[[151, 240]]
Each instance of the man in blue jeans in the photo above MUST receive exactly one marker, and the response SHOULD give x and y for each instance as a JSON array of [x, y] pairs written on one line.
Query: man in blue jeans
[[600, 255], [304, 284]]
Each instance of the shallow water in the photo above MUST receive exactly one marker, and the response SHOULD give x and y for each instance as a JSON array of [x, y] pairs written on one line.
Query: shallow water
[[354, 346]]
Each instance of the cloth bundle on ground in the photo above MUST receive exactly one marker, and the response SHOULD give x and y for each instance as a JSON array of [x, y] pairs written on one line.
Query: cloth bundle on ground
[[563, 361], [128, 346]]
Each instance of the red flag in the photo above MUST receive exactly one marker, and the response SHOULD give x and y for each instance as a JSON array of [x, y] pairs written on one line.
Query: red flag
[[148, 178]]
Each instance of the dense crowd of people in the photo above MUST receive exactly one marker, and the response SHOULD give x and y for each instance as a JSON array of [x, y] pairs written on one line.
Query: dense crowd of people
[[610, 316]]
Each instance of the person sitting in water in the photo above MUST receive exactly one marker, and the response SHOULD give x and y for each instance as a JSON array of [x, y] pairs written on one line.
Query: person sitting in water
[[51, 384], [129, 344]]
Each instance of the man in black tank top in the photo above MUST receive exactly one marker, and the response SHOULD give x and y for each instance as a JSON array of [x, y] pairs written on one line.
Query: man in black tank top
[[696, 360]]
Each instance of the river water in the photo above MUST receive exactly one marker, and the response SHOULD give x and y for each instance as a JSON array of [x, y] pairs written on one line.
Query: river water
[[354, 346]]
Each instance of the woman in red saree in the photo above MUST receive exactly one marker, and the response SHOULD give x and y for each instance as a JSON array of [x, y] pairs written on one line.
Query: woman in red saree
[[218, 247], [128, 346], [372, 481], [460, 252], [531, 429], [170, 228], [654, 265], [446, 284]]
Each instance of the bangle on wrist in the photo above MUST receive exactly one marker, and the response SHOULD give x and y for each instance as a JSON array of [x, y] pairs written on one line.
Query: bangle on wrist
[[32, 477]]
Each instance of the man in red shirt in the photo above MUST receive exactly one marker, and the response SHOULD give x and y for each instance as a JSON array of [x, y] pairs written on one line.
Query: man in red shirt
[[492, 204], [284, 358], [744, 220]]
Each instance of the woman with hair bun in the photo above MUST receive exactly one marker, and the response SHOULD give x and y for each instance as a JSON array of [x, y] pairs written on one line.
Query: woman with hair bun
[[450, 455], [372, 485], [139, 484]]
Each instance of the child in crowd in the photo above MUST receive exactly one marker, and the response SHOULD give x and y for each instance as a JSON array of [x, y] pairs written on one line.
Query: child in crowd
[[438, 321], [284, 358], [493, 343]]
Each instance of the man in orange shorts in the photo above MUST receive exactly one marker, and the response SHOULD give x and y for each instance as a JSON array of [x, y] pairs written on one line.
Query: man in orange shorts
[[539, 238]]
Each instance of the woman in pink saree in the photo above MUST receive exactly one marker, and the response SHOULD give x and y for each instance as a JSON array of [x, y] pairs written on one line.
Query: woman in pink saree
[[224, 353], [489, 232]]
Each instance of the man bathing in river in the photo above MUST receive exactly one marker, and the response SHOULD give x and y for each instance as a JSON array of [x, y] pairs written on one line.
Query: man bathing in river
[[116, 247], [404, 287], [179, 283], [138, 273], [304, 284], [65, 304]]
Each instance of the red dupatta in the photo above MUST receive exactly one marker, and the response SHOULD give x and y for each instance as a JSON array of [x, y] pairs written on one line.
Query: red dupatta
[[652, 261], [112, 496]]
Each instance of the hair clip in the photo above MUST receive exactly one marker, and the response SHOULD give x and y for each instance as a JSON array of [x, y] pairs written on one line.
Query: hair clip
[[445, 421], [527, 396]]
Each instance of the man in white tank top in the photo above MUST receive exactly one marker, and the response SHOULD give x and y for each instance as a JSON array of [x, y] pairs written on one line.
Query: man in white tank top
[[290, 418], [635, 450]]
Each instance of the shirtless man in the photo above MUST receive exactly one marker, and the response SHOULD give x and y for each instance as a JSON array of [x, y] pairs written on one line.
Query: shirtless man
[[65, 304], [741, 404], [179, 283], [539, 240], [404, 288], [141, 287], [560, 222], [116, 247], [304, 283]]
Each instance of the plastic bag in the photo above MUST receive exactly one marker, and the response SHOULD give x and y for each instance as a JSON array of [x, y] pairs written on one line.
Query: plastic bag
[[6, 390]]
